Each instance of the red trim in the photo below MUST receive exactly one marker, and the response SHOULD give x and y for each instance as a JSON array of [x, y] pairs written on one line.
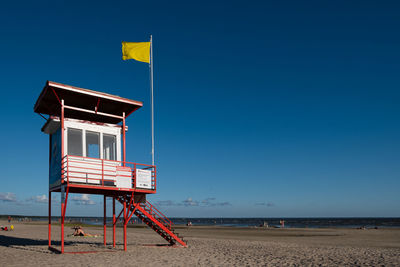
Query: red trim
[[123, 140], [114, 221], [101, 190], [93, 112], [99, 171], [62, 225], [56, 96], [125, 222], [102, 175], [105, 226], [128, 162], [56, 118], [62, 175], [97, 106], [49, 219], [161, 225], [63, 209], [62, 137], [87, 252], [94, 93], [47, 105]]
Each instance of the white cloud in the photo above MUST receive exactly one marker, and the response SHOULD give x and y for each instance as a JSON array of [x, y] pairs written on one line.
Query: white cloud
[[83, 199], [39, 199], [8, 197], [165, 203], [190, 202]]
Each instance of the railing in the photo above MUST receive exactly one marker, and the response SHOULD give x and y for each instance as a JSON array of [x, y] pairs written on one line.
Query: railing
[[147, 206], [103, 172]]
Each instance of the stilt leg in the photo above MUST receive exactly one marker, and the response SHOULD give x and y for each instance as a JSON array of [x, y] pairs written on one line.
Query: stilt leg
[[49, 218], [125, 222], [114, 221], [64, 200], [62, 218], [105, 227]]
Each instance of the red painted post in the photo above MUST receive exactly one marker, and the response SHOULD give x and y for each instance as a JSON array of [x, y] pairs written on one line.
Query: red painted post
[[62, 220], [105, 226], [62, 140], [102, 173], [62, 177], [125, 222], [114, 221], [66, 158], [123, 139], [49, 218]]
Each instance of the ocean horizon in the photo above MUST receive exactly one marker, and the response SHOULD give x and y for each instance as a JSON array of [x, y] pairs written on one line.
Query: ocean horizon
[[298, 222]]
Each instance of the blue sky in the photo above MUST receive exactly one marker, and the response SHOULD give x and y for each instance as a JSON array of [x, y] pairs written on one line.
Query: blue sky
[[263, 108]]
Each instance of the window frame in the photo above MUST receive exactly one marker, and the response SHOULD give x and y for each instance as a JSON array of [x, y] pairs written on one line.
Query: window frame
[[99, 144], [109, 130], [114, 147], [82, 141]]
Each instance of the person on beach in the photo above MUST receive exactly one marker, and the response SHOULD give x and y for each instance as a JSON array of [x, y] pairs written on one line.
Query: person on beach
[[79, 232]]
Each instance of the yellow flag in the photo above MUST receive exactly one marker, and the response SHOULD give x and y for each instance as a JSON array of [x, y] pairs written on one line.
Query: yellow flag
[[137, 51]]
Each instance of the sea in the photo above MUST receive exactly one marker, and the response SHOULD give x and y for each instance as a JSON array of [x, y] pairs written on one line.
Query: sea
[[336, 222]]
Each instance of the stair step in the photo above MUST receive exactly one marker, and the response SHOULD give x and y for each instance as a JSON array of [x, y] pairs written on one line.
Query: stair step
[[164, 229]]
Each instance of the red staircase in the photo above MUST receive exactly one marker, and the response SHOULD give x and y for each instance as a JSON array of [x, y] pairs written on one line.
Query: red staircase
[[156, 220]]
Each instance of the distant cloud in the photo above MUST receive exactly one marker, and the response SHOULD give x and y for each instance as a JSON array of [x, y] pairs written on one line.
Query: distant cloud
[[8, 197], [165, 203], [39, 199], [211, 202], [83, 199], [189, 202], [208, 201], [268, 204]]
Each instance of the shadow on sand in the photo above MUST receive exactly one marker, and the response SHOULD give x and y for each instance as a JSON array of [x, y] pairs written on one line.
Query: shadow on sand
[[37, 245]]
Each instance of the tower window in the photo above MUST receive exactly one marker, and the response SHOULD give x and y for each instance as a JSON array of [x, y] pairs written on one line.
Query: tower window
[[92, 144], [75, 142], [109, 147]]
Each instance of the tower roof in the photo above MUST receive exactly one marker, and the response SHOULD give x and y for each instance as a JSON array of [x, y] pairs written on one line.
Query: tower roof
[[83, 103]]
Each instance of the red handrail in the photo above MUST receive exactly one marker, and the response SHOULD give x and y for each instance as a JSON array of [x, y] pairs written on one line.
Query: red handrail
[[103, 170], [158, 213]]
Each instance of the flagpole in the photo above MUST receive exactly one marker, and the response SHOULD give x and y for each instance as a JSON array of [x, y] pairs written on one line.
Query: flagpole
[[152, 99]]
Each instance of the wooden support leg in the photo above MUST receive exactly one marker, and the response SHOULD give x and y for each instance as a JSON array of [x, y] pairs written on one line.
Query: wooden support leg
[[114, 221], [49, 218], [105, 226], [62, 219], [64, 200], [125, 222]]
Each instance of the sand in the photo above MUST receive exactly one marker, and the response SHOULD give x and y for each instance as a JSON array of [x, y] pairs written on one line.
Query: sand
[[208, 246]]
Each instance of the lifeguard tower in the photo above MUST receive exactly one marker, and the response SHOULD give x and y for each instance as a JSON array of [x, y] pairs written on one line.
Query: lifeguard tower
[[87, 155]]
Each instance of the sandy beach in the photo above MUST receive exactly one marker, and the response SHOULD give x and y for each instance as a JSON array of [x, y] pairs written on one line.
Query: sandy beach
[[215, 246]]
